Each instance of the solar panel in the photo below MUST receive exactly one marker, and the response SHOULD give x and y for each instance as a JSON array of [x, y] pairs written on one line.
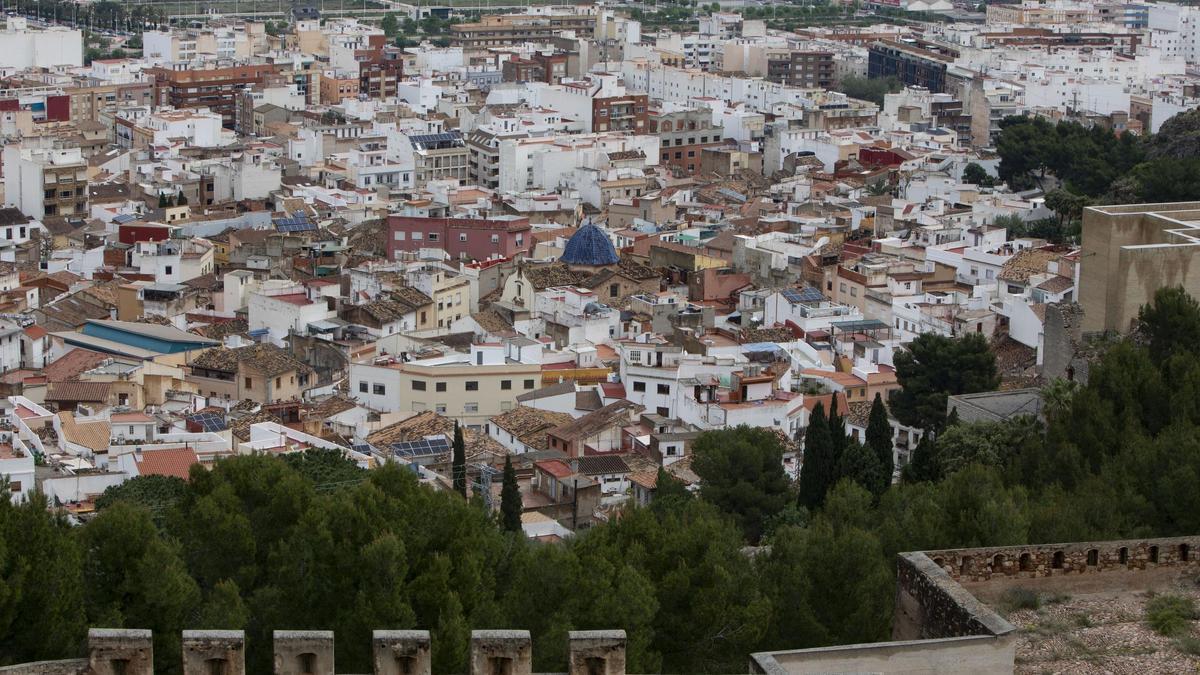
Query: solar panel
[[297, 222], [431, 445], [808, 294], [209, 421]]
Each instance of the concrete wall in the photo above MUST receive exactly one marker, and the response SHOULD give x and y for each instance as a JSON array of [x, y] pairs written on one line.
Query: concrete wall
[[979, 655], [1128, 253]]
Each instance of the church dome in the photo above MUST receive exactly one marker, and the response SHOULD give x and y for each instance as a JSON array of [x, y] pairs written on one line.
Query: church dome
[[589, 246]]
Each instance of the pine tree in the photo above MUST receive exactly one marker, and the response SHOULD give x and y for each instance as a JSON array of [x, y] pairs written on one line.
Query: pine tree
[[816, 473], [510, 499], [459, 462], [879, 437]]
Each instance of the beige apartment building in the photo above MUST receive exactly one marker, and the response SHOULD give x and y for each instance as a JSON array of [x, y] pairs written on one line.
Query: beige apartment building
[[467, 386]]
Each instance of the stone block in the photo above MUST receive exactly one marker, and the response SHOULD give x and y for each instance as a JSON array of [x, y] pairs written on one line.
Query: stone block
[[214, 652], [401, 652], [501, 652], [120, 651], [596, 652], [303, 652]]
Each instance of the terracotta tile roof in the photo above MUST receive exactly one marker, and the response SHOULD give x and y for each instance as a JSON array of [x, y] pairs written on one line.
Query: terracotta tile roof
[[646, 479], [329, 407], [77, 390], [555, 467], [1056, 284], [91, 435], [36, 332], [594, 465], [593, 422], [530, 425], [1026, 263], [174, 462], [240, 428], [429, 423], [542, 277], [265, 358], [222, 329], [491, 321], [859, 413]]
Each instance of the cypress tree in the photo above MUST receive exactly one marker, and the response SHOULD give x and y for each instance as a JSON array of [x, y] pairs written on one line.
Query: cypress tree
[[879, 438], [859, 463], [837, 431], [817, 471], [162, 200], [923, 465], [183, 200], [510, 499], [459, 462]]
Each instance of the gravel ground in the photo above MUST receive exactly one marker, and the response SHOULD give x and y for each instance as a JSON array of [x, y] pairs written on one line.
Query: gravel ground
[[1099, 633]]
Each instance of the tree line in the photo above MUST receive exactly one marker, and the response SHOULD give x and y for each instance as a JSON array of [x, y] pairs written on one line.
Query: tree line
[[309, 541]]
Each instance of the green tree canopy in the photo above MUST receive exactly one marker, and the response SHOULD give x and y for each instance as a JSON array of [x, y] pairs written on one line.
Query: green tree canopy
[[934, 367], [741, 471]]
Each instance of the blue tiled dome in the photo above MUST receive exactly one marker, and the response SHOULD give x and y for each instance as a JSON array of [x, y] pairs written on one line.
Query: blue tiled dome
[[589, 246]]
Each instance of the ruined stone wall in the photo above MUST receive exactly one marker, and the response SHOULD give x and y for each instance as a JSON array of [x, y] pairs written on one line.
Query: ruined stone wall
[[66, 667], [1050, 560]]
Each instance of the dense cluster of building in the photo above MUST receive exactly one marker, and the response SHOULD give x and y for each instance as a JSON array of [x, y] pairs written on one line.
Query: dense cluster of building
[[584, 242]]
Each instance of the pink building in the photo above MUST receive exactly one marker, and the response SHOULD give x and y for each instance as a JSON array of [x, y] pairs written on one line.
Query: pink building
[[470, 238]]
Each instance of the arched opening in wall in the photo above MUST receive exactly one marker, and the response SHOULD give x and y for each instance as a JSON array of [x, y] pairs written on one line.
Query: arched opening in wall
[[215, 666], [1025, 562], [997, 563], [119, 666], [1093, 557], [1057, 561], [1123, 555], [940, 563], [1154, 554], [963, 566], [307, 663], [1185, 553]]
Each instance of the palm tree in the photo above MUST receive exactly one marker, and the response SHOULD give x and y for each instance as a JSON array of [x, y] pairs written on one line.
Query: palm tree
[[1056, 398]]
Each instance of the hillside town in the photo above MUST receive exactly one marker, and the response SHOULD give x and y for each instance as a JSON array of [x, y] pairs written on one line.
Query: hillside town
[[535, 256]]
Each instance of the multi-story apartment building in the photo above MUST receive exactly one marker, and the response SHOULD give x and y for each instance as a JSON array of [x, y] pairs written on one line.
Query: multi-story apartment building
[[46, 181], [212, 88], [439, 156], [469, 387], [910, 64], [684, 135], [461, 238], [515, 29], [802, 68]]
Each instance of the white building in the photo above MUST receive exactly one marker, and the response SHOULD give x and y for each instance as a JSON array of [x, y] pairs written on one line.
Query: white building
[[22, 47]]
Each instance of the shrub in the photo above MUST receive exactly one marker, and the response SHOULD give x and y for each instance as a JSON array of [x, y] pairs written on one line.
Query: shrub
[[1169, 614], [1016, 599]]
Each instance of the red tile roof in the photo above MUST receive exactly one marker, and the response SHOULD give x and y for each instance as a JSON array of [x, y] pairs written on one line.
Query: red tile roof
[[36, 332], [554, 467], [175, 462], [70, 365]]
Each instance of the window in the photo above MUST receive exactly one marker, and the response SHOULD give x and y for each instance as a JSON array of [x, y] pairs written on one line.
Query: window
[[529, 384], [639, 386], [664, 389], [462, 236], [278, 382], [399, 236], [439, 386], [379, 390], [495, 239], [418, 385], [362, 387], [167, 269], [472, 385], [249, 383], [470, 407], [417, 236], [440, 408], [614, 290], [433, 236], [506, 384]]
